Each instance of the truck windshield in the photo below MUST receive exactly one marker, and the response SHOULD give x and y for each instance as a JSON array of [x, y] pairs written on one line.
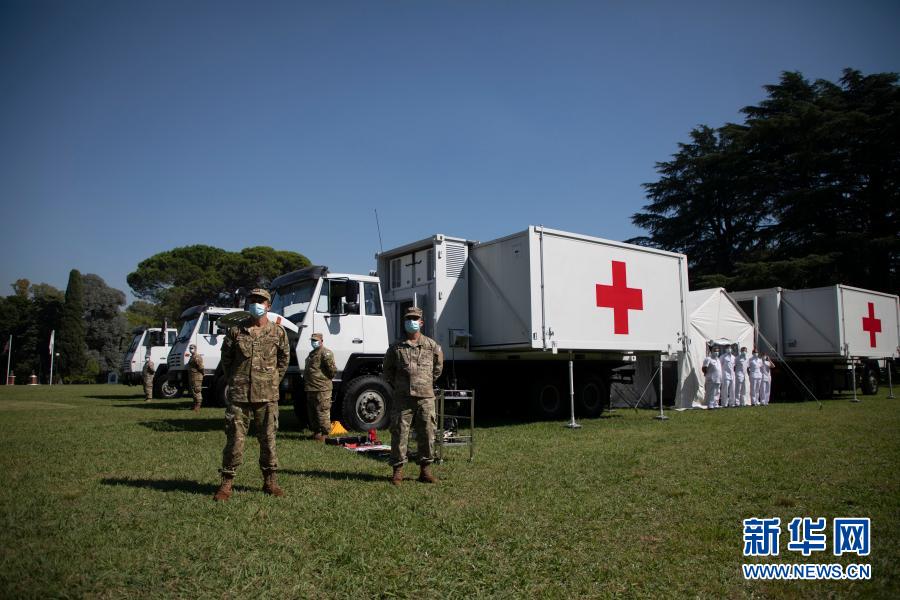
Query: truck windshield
[[186, 330], [293, 301]]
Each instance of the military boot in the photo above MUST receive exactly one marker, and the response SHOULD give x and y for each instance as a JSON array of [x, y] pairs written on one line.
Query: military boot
[[320, 437], [270, 486], [196, 407], [397, 477], [225, 490], [425, 475]]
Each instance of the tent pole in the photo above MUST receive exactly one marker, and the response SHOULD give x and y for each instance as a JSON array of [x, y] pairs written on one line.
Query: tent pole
[[572, 424], [889, 363], [853, 367], [661, 416]]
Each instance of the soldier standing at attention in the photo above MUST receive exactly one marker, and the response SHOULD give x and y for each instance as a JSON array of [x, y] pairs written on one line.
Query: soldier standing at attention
[[255, 356], [147, 373], [317, 375], [195, 369], [411, 367]]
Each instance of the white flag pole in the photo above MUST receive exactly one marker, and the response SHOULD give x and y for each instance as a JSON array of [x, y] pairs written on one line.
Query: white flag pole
[[8, 358], [52, 336]]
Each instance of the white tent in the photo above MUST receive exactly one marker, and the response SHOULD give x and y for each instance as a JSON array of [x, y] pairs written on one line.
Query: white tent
[[712, 315]]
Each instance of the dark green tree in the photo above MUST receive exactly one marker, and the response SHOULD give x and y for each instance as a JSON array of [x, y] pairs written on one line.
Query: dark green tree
[[70, 342], [105, 325], [809, 182], [143, 314], [191, 275]]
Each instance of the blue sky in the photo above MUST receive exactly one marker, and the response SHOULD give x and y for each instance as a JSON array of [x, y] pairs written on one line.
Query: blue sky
[[129, 128]]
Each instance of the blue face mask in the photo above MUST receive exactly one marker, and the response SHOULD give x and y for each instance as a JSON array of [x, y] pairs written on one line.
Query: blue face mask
[[257, 310], [411, 326], [315, 343]]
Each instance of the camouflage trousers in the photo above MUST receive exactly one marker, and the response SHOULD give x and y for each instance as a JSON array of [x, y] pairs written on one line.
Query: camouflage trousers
[[237, 422], [197, 388], [148, 388], [419, 413], [318, 409]]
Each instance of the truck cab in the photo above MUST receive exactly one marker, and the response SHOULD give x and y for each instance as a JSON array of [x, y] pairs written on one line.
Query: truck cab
[[199, 326], [347, 310], [205, 326], [149, 340]]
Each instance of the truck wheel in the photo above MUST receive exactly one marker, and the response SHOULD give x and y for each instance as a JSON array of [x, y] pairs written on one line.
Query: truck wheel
[[546, 399], [162, 388], [870, 380], [366, 404], [591, 397]]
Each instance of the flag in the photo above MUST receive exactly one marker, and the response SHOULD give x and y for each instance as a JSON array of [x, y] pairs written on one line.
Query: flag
[[6, 345], [52, 338]]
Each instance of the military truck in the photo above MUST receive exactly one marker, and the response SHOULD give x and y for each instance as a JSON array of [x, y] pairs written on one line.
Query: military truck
[[149, 340], [831, 337], [521, 317], [205, 327]]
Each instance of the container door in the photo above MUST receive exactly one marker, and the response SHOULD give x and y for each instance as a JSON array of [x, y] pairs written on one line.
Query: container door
[[870, 323]]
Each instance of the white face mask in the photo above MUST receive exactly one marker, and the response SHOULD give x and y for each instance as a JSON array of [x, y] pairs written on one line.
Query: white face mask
[[315, 343]]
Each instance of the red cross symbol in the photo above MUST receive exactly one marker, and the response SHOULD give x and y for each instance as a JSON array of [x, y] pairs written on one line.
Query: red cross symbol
[[871, 324], [619, 297]]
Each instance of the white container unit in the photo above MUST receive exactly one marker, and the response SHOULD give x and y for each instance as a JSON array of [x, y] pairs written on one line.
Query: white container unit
[[541, 289], [822, 332]]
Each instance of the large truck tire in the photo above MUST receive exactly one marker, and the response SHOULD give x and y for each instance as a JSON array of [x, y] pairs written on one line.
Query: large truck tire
[[366, 404], [546, 399], [162, 387], [870, 379], [591, 397]]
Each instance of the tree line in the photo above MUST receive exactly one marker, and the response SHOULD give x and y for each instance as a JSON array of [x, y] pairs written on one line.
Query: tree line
[[803, 193], [91, 328]]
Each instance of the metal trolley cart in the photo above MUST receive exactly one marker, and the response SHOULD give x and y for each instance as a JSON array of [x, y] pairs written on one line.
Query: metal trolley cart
[[455, 408]]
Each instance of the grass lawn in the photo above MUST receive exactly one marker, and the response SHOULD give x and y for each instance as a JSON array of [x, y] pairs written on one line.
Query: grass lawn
[[103, 495]]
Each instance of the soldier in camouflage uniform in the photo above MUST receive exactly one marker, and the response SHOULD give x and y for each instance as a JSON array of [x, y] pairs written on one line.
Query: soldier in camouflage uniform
[[255, 356], [195, 371], [317, 375], [411, 367], [147, 373]]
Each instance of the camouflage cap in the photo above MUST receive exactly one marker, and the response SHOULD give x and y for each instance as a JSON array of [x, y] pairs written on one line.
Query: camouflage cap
[[413, 311], [262, 293], [316, 336]]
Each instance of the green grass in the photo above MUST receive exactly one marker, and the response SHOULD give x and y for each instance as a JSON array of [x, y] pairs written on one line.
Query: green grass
[[103, 495]]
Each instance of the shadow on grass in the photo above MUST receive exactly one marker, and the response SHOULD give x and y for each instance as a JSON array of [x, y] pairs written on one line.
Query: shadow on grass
[[182, 425], [169, 485], [156, 405], [336, 475], [135, 397]]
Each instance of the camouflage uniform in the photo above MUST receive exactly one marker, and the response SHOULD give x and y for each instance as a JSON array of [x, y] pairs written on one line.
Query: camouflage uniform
[[254, 361], [195, 371], [317, 375], [412, 367], [147, 373]]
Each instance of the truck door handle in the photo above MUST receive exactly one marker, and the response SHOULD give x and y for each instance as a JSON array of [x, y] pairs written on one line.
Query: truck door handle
[[357, 341]]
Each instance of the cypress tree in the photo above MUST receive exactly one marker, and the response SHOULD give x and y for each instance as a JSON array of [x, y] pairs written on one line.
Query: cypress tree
[[70, 338]]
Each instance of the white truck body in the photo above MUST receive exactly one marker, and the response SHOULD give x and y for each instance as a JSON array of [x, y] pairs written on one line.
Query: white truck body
[[144, 341], [831, 321], [826, 334], [539, 290]]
